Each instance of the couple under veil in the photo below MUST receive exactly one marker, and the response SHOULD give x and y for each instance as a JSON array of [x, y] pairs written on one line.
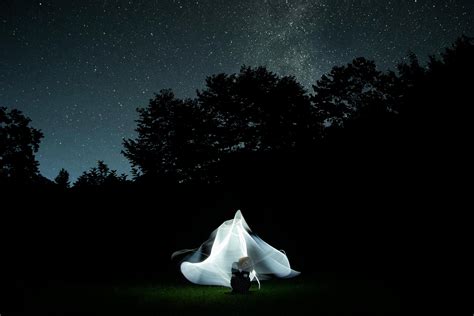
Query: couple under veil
[[236, 258]]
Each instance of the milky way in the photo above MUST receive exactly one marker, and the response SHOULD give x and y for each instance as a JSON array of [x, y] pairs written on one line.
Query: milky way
[[80, 68]]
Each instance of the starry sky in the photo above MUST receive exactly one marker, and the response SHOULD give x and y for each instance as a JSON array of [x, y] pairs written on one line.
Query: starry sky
[[80, 68]]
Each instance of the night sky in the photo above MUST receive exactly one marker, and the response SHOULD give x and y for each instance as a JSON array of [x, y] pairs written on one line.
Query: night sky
[[79, 69]]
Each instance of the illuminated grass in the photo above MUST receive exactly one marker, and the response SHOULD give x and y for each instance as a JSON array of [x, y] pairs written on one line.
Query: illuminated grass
[[277, 297], [219, 298]]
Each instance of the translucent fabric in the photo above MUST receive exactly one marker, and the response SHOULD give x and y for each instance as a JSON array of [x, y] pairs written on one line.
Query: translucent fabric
[[228, 243]]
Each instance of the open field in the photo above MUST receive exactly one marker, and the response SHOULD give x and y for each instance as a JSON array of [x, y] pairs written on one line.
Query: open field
[[280, 297]]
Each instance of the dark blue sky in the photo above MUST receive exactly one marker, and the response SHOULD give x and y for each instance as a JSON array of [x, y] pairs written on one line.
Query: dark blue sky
[[79, 69]]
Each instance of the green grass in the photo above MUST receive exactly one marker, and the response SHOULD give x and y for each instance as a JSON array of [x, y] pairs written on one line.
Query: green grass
[[279, 297]]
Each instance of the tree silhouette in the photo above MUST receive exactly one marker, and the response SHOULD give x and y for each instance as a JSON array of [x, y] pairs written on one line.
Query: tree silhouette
[[377, 120], [100, 176], [412, 72], [256, 111], [252, 112], [358, 105], [257, 120], [436, 111], [347, 91], [246, 121], [18, 144], [62, 179], [169, 145], [253, 120]]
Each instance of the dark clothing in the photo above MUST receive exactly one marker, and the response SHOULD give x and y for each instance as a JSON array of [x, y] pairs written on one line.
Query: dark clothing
[[240, 280]]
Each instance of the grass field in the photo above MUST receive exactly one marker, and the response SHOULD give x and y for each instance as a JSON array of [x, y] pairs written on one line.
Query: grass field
[[280, 297]]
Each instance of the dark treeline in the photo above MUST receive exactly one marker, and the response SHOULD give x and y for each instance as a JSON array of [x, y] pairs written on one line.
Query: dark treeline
[[258, 127], [347, 179]]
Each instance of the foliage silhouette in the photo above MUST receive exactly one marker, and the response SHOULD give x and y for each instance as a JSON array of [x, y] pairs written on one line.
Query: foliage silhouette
[[256, 126], [436, 112], [18, 144], [169, 145], [358, 106], [100, 176], [239, 115], [62, 179]]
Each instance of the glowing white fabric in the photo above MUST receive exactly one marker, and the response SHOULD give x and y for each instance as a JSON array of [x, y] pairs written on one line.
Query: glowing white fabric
[[231, 241]]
